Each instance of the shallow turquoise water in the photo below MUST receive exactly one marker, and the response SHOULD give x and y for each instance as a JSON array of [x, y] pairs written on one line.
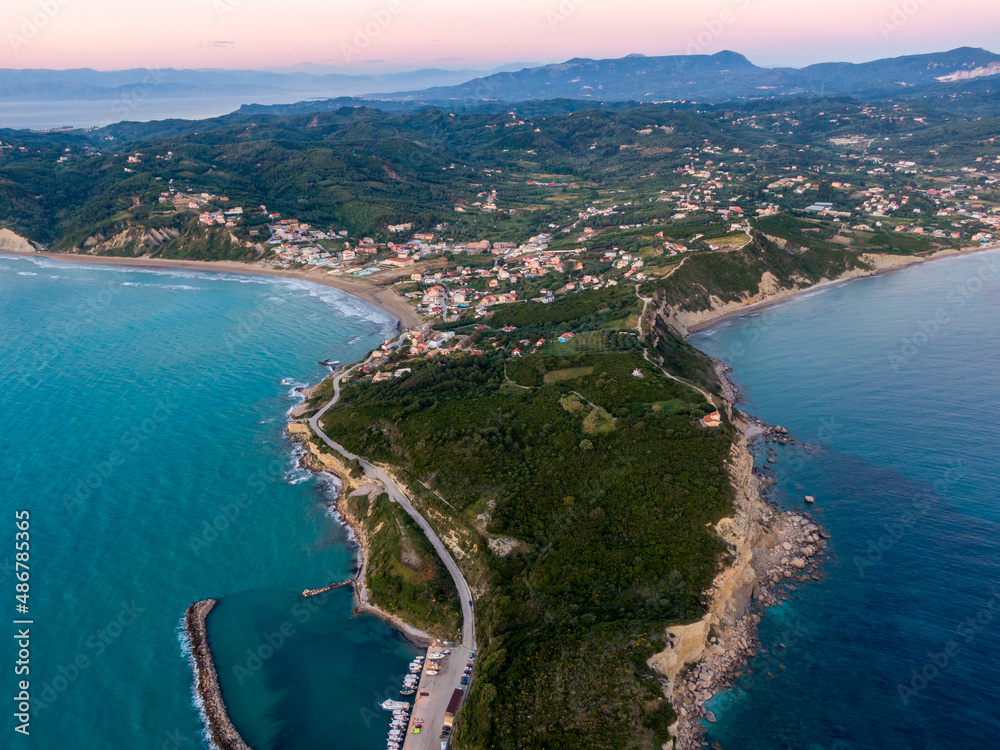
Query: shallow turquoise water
[[141, 416], [895, 380]]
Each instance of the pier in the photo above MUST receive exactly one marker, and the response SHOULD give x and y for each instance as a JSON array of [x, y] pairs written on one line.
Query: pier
[[435, 695]]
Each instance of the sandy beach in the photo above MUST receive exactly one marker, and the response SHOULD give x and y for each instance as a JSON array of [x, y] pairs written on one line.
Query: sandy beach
[[380, 296]]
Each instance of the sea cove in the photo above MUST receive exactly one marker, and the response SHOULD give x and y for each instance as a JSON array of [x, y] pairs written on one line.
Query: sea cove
[[891, 383], [143, 415]]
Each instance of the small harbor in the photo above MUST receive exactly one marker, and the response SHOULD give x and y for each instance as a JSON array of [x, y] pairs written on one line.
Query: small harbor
[[432, 681]]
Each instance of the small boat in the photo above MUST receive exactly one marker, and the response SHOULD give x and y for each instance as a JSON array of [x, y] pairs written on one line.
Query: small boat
[[407, 691], [391, 705], [435, 656]]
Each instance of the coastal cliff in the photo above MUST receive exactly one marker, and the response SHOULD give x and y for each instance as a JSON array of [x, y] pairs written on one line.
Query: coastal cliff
[[765, 548], [780, 269], [398, 578], [10, 242]]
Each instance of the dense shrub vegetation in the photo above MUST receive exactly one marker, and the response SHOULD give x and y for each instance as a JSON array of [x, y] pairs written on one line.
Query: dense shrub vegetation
[[607, 482]]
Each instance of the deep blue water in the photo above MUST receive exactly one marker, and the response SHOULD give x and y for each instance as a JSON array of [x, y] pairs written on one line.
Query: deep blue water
[[896, 381], [141, 419]]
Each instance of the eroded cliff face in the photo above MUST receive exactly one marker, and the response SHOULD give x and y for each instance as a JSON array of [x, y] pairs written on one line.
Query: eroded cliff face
[[12, 242], [133, 240], [321, 461], [138, 241], [749, 534], [771, 289]]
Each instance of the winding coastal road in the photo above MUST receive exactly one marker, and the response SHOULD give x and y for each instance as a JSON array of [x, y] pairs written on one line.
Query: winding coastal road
[[433, 709]]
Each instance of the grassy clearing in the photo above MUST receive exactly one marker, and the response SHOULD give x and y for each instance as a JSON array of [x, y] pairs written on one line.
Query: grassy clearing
[[570, 373]]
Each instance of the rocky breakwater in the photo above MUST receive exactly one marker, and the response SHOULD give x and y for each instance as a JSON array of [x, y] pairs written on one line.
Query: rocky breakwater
[[220, 729], [766, 549]]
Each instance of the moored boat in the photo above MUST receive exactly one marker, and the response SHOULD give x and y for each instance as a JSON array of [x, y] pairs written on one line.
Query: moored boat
[[391, 705]]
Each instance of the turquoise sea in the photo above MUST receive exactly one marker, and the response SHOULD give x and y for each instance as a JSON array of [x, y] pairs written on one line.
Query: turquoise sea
[[141, 419], [895, 382]]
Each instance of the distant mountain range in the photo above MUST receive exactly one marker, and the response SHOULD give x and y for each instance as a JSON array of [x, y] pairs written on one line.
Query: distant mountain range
[[711, 78], [717, 78], [84, 84]]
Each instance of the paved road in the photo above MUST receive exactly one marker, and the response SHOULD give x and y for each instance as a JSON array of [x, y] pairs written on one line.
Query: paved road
[[431, 708]]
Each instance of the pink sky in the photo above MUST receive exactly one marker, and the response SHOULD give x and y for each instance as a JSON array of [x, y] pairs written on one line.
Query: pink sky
[[115, 34]]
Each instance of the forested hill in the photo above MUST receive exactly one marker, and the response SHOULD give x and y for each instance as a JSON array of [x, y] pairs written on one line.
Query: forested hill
[[359, 169]]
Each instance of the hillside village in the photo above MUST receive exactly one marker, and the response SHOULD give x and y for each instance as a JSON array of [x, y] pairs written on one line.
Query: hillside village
[[624, 235]]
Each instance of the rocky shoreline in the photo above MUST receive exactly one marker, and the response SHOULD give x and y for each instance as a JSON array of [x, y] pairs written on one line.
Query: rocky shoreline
[[221, 732], [799, 544], [769, 551], [318, 462]]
